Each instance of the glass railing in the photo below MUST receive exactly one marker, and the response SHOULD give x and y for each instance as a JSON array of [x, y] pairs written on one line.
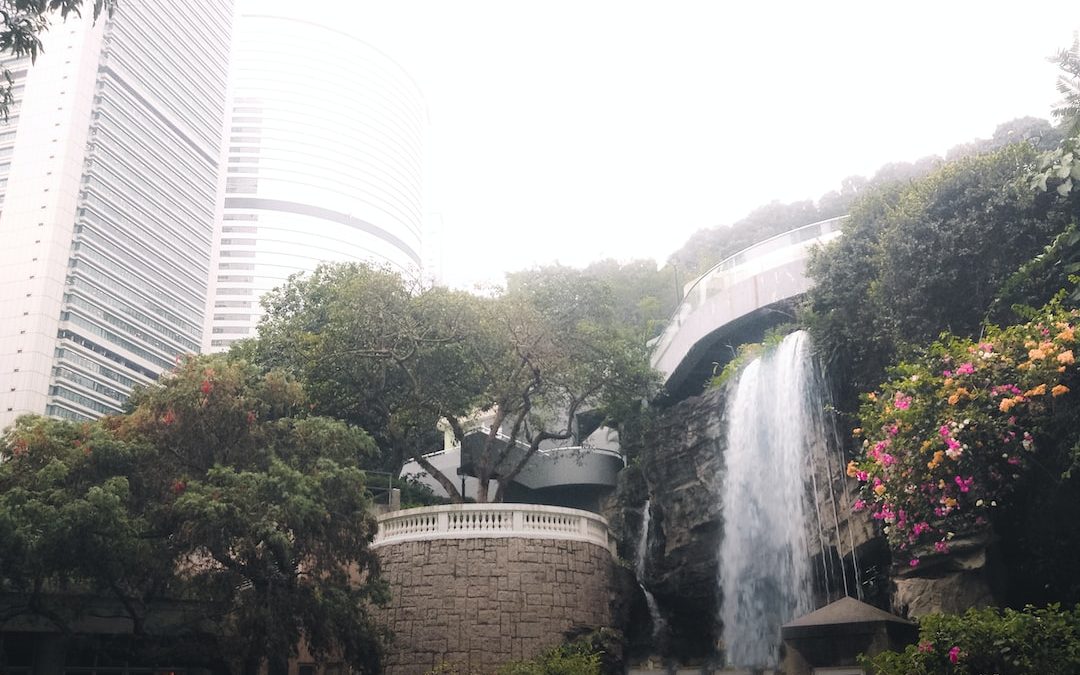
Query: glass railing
[[750, 261]]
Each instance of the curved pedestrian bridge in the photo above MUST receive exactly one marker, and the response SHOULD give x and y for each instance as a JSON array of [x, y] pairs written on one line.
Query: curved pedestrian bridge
[[721, 303]]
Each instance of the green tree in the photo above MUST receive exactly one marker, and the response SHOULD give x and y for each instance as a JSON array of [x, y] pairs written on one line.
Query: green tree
[[218, 490], [1067, 110], [924, 257], [394, 357], [22, 23], [641, 295]]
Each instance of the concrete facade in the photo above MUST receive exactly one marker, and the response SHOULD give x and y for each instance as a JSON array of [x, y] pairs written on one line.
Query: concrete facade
[[108, 171], [478, 603]]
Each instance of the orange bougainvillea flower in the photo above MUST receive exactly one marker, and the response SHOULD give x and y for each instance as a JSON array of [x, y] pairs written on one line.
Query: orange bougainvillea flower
[[1066, 357], [1036, 354], [1036, 391], [1059, 390]]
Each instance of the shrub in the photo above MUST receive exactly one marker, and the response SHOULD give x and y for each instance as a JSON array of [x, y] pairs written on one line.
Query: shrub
[[1009, 642], [950, 436]]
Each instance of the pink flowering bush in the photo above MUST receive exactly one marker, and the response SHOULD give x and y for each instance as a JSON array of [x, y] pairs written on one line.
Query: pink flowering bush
[[953, 433], [1007, 642]]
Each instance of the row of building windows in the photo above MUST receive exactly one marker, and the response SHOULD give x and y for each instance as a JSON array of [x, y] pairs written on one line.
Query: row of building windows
[[84, 401], [77, 359], [117, 340], [183, 340], [63, 413], [109, 280], [94, 347], [89, 383]]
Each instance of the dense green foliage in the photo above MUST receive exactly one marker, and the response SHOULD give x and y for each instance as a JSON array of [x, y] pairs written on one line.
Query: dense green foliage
[[642, 296], [1068, 85], [394, 357], [707, 247], [589, 654], [218, 491], [926, 257], [976, 431], [558, 661], [1009, 642], [953, 434]]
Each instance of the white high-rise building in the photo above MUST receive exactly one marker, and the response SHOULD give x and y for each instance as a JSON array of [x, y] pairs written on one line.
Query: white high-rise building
[[324, 163], [108, 175]]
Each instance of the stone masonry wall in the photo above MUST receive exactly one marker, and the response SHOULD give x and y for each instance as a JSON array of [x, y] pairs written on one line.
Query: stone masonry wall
[[478, 603]]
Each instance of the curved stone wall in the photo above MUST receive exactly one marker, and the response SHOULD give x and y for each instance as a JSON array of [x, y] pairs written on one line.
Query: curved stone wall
[[479, 601]]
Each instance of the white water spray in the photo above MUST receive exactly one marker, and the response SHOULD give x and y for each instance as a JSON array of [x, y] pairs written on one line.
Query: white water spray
[[764, 562], [639, 568]]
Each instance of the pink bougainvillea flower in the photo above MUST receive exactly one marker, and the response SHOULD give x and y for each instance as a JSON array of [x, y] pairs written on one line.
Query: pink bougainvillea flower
[[901, 401], [965, 369], [964, 484], [954, 655], [914, 562], [859, 505], [941, 546]]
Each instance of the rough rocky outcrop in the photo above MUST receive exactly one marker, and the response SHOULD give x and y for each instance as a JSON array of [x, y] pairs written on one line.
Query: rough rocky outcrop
[[952, 583], [682, 469], [680, 472]]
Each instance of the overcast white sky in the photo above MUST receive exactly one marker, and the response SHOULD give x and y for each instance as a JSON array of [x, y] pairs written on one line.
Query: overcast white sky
[[571, 131]]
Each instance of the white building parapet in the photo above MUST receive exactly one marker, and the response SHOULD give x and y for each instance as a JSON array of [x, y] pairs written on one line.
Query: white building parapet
[[479, 521]]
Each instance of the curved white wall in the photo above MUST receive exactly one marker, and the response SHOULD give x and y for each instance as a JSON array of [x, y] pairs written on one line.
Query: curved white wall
[[324, 163]]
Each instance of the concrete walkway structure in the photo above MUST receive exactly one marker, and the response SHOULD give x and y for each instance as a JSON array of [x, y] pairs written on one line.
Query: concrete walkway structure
[[738, 295]]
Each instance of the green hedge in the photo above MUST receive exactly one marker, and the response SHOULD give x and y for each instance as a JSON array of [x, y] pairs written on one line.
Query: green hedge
[[1045, 641]]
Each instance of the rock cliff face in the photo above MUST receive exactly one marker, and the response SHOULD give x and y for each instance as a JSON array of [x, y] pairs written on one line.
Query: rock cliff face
[[952, 583], [680, 473], [681, 470]]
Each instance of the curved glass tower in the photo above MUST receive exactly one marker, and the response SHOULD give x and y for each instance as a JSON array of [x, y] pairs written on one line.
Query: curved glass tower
[[324, 164]]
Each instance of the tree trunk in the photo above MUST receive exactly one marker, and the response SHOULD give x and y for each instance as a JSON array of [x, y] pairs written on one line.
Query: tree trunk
[[447, 484], [482, 490]]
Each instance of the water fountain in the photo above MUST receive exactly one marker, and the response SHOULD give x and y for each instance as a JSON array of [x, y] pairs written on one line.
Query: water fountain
[[775, 421]]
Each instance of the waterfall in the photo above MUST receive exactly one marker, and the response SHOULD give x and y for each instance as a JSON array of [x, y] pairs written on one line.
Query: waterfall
[[774, 419], [639, 569]]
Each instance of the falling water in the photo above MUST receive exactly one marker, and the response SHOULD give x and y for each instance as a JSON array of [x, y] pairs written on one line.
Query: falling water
[[764, 568], [639, 569]]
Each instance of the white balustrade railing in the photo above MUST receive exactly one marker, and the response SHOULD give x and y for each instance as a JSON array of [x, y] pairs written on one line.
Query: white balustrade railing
[[477, 521]]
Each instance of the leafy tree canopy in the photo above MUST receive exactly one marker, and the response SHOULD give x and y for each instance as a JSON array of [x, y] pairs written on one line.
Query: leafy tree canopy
[[394, 357], [925, 257], [218, 491], [707, 247]]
